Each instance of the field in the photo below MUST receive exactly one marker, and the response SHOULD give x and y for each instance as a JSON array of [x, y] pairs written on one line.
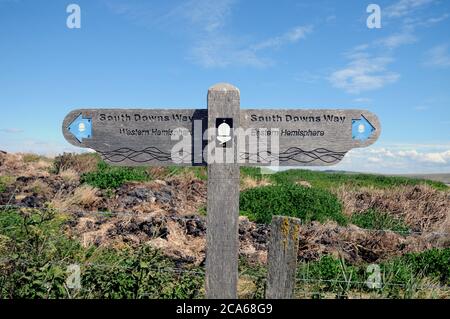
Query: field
[[74, 227]]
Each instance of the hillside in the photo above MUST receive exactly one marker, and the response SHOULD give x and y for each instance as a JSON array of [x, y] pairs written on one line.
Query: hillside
[[140, 233]]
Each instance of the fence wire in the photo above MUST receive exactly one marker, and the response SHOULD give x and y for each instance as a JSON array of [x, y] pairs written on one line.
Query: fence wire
[[111, 214], [301, 281]]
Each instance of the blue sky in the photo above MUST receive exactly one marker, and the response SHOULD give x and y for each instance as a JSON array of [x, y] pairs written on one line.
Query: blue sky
[[294, 54]]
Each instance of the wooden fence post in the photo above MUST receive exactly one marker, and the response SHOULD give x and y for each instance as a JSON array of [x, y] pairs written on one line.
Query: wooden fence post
[[222, 238], [282, 257]]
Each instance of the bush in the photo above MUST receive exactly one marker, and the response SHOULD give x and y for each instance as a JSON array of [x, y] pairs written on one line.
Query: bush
[[32, 158], [141, 273], [407, 276], [308, 204], [5, 182], [108, 177], [35, 254], [329, 274], [80, 163], [373, 219], [159, 172], [330, 180], [433, 262]]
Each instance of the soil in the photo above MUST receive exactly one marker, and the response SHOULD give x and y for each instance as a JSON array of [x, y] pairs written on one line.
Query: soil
[[167, 215]]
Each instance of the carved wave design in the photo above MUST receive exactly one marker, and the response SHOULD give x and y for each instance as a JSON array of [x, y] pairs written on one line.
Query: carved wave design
[[148, 154], [296, 154]]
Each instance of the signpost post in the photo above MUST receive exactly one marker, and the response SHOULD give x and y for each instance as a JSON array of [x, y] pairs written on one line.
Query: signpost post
[[222, 137]]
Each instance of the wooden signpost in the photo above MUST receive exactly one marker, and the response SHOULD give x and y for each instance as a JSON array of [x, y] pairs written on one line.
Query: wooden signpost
[[222, 137]]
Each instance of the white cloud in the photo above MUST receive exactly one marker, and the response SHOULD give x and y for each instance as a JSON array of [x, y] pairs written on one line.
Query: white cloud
[[41, 147], [363, 73], [438, 56], [431, 158], [368, 66], [362, 100], [12, 130], [398, 39], [405, 7], [204, 23], [425, 22], [421, 108], [433, 20], [374, 160], [398, 159], [204, 14], [222, 51], [290, 37], [412, 154]]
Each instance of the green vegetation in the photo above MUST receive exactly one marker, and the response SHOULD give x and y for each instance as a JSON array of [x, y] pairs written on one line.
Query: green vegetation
[[308, 204], [257, 274], [109, 177], [5, 182], [409, 276], [434, 262], [32, 158], [330, 180], [80, 163], [198, 172], [35, 254], [373, 219]]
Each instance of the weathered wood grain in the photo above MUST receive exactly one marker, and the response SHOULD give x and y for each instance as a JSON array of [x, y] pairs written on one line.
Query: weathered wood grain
[[278, 137], [282, 257], [136, 137], [305, 137], [223, 203]]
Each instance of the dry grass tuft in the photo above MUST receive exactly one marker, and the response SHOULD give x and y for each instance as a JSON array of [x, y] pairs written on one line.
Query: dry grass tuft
[[422, 207], [10, 163], [304, 184], [180, 245], [24, 165], [84, 196], [246, 287], [157, 172], [69, 175], [80, 163], [39, 187], [248, 182]]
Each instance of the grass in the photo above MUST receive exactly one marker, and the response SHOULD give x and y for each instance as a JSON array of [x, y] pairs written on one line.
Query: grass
[[158, 172], [84, 196], [79, 163], [373, 219], [32, 158], [35, 255], [308, 204], [331, 180], [413, 275], [5, 182], [109, 177], [35, 250]]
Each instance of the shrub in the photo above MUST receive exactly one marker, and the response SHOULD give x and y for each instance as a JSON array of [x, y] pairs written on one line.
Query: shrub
[[31, 158], [329, 274], [330, 180], [373, 219], [35, 253], [5, 182], [433, 262], [108, 177], [308, 204], [408, 276], [80, 163]]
